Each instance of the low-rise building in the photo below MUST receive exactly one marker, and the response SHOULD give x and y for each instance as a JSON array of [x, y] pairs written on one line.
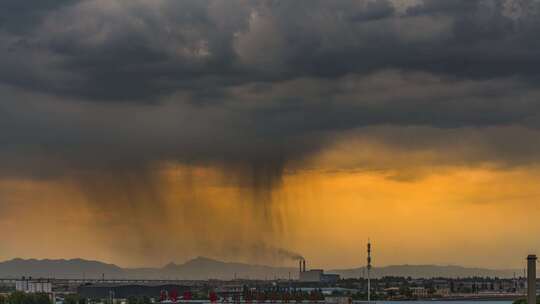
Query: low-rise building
[[33, 286], [313, 275], [318, 276], [442, 292], [419, 292], [330, 278], [392, 292], [338, 300], [122, 291]]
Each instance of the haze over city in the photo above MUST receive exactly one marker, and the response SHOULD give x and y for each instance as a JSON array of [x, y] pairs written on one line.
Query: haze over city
[[145, 132]]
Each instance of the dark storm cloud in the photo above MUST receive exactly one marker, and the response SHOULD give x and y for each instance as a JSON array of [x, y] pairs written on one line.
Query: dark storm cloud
[[20, 16], [127, 50], [254, 83], [141, 50]]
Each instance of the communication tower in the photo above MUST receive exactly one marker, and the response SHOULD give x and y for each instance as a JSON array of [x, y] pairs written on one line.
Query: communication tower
[[368, 270]]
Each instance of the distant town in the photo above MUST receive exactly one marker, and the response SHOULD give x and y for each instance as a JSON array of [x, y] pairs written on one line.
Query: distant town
[[305, 286], [313, 286]]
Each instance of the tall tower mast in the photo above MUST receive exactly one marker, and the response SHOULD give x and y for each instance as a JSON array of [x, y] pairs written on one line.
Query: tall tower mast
[[368, 270], [531, 278]]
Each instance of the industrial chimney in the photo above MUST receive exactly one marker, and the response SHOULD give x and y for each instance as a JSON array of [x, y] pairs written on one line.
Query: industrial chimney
[[304, 265], [531, 279]]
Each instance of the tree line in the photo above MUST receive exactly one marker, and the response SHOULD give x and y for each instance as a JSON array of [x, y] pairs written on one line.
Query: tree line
[[25, 298]]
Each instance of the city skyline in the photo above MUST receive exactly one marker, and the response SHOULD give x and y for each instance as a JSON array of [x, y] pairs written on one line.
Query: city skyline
[[149, 131]]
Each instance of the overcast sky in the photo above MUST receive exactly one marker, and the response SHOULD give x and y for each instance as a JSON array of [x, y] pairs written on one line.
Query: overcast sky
[[243, 130]]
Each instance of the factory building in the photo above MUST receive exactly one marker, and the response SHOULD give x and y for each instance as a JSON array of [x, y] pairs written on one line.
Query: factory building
[[123, 291], [315, 275], [312, 275]]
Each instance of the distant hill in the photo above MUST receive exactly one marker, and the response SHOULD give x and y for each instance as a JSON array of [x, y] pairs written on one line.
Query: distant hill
[[426, 271], [57, 268], [202, 268], [196, 269]]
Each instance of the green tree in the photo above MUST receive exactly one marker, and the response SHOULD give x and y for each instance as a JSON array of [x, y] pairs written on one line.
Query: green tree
[[145, 300], [71, 299], [524, 301], [133, 300], [23, 298], [41, 298], [406, 291], [16, 298]]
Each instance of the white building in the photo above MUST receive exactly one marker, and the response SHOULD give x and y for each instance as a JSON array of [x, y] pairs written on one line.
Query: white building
[[442, 292], [338, 300], [33, 286], [419, 292], [318, 276]]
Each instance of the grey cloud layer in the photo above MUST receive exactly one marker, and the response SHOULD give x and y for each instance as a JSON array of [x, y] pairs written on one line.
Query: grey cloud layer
[[257, 82], [118, 50]]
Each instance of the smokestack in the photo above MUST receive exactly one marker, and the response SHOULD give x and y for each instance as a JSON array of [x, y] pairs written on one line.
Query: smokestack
[[300, 265], [531, 279], [304, 265]]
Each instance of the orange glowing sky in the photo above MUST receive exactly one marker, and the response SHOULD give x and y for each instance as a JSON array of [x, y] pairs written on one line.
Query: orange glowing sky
[[474, 215]]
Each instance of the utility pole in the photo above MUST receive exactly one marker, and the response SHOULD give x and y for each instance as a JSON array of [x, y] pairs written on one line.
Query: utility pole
[[368, 270]]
